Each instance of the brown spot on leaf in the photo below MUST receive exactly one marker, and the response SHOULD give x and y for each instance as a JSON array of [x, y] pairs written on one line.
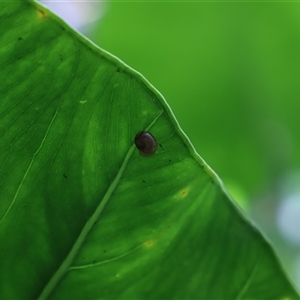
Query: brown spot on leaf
[[42, 14]]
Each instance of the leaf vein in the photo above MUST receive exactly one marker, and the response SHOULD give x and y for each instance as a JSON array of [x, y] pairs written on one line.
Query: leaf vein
[[66, 264]]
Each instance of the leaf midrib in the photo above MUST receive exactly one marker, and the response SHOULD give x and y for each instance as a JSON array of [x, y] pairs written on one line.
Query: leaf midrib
[[64, 267]]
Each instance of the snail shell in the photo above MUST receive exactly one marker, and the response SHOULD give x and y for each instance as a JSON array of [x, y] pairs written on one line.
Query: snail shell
[[146, 143]]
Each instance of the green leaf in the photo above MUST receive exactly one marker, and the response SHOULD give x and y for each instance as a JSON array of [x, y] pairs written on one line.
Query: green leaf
[[82, 213]]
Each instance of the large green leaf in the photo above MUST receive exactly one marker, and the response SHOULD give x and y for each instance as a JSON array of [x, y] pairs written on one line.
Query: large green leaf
[[82, 214]]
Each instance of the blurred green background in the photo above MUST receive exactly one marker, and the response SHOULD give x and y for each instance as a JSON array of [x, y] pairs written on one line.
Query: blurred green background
[[231, 74]]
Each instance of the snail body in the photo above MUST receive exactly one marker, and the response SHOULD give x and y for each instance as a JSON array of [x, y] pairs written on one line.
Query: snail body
[[146, 143]]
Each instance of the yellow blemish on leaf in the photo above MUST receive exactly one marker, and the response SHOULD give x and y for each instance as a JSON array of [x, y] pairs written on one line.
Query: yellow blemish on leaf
[[42, 14], [149, 243], [83, 101], [183, 193]]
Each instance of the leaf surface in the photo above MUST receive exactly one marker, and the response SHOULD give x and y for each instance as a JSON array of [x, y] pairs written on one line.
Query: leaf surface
[[82, 214]]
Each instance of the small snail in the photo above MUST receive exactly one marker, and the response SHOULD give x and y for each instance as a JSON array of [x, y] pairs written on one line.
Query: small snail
[[146, 143]]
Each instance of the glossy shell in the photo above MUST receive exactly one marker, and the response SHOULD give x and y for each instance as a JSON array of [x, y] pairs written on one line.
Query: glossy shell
[[146, 143]]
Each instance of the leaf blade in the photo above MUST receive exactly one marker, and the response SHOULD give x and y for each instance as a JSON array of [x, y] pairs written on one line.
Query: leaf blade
[[76, 116]]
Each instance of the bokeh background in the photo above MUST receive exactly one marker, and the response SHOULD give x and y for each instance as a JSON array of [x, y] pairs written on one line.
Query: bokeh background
[[231, 74]]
